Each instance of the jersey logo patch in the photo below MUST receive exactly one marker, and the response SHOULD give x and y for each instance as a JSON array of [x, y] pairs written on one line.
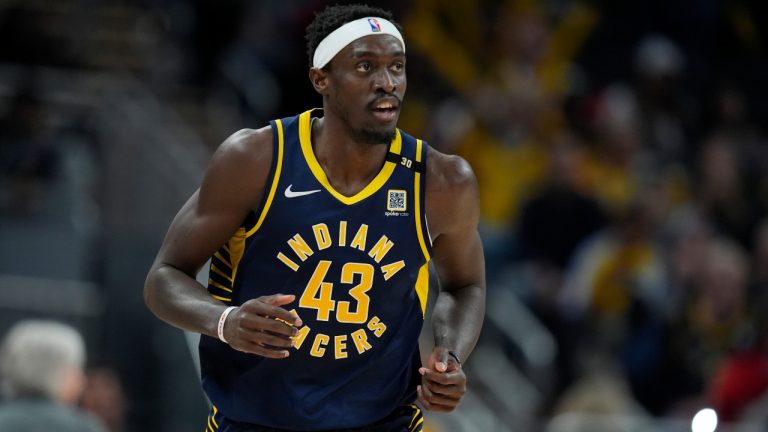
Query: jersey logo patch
[[397, 200], [294, 194]]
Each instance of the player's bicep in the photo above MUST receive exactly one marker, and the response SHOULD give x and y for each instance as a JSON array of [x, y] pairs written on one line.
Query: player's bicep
[[195, 234], [458, 259], [453, 212], [457, 250]]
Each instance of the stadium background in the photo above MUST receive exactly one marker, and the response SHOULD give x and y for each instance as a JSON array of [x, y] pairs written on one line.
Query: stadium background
[[620, 148]]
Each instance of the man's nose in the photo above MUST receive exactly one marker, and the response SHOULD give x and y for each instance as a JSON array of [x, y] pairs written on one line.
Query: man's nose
[[385, 81]]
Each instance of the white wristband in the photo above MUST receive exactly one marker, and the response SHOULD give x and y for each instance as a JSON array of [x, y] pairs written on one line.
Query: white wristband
[[222, 320]]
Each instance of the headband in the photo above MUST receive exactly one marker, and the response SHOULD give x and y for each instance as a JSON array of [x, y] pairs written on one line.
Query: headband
[[349, 32]]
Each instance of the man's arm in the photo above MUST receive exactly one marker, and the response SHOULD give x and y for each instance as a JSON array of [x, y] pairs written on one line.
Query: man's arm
[[453, 213], [232, 186]]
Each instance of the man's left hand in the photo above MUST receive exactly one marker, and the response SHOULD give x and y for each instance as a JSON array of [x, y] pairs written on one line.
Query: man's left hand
[[443, 382]]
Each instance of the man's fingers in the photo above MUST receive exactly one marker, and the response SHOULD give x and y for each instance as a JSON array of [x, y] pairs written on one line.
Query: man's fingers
[[278, 299], [422, 399], [257, 322], [449, 387], [263, 327], [431, 403], [269, 306], [449, 392], [437, 399], [434, 398], [252, 348], [445, 378], [273, 309], [452, 365], [272, 341], [439, 359]]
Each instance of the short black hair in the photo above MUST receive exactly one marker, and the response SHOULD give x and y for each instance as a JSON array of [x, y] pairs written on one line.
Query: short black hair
[[333, 17]]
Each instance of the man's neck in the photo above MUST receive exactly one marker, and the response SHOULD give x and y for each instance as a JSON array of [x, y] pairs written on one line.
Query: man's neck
[[349, 164]]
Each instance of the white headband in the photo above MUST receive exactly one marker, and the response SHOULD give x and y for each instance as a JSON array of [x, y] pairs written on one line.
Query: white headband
[[351, 31]]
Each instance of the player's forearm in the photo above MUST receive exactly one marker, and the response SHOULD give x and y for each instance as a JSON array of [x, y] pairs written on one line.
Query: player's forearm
[[181, 301], [458, 318]]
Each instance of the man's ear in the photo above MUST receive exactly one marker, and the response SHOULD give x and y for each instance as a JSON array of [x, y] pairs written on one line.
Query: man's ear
[[319, 80]]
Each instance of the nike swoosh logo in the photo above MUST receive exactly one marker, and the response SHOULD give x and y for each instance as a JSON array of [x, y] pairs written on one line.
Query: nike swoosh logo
[[293, 194]]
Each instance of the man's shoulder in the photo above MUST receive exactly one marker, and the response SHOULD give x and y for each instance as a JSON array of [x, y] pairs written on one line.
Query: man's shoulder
[[451, 193], [448, 173], [245, 151], [246, 141]]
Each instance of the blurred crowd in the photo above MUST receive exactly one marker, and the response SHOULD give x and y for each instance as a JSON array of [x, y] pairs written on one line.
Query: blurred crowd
[[621, 162], [619, 148]]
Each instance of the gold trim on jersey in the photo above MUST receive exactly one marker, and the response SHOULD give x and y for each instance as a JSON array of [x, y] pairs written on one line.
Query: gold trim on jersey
[[219, 286], [275, 179], [422, 287], [237, 247], [417, 420], [417, 204], [422, 282], [233, 249], [222, 259], [224, 299], [314, 166], [212, 425], [220, 272]]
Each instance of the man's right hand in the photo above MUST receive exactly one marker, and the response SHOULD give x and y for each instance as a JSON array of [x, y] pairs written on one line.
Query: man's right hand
[[261, 326]]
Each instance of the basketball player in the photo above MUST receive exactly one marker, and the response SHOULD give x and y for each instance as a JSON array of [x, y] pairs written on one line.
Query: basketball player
[[320, 227]]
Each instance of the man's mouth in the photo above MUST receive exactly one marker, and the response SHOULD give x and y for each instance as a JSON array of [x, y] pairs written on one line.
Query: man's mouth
[[385, 109]]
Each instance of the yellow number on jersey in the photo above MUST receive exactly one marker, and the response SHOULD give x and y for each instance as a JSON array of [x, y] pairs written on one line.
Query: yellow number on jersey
[[348, 272], [317, 295], [322, 302]]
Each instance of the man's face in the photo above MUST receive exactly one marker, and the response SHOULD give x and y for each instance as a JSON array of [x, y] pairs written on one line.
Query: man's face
[[366, 87]]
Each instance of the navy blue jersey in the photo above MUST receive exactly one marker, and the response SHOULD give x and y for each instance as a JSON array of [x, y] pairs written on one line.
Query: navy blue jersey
[[358, 268]]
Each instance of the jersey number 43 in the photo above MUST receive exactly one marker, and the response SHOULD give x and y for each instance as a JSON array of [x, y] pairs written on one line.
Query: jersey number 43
[[318, 294]]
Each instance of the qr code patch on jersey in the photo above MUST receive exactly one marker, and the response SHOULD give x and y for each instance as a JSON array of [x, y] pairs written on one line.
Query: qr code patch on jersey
[[397, 200]]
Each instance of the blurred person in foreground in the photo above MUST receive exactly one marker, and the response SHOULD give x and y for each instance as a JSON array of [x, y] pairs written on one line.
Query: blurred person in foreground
[[41, 368], [318, 231], [105, 398]]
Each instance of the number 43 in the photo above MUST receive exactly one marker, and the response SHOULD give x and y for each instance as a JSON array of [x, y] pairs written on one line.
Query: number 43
[[318, 294]]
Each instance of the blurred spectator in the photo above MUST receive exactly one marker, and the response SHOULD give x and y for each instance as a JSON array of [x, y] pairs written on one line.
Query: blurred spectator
[[738, 382], [687, 236], [619, 264], [617, 287], [555, 220], [733, 119], [600, 401], [510, 72], [552, 224], [41, 367], [665, 110], [741, 379], [104, 398], [612, 168], [721, 191], [715, 320]]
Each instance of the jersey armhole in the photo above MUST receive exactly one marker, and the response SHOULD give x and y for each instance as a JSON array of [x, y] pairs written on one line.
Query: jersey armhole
[[419, 183], [255, 219]]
